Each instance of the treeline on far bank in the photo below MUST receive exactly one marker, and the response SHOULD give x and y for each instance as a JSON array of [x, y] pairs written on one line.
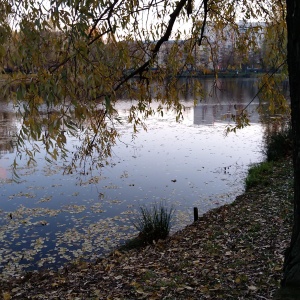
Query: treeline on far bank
[[192, 73]]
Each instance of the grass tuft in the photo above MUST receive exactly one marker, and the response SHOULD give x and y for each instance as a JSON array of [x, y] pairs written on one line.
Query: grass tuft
[[154, 223], [259, 174], [279, 144]]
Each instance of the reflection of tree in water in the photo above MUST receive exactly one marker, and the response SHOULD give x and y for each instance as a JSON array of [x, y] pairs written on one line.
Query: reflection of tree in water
[[8, 135], [8, 131], [226, 98]]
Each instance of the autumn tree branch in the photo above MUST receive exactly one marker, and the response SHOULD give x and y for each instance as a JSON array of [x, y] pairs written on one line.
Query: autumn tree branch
[[262, 87], [205, 7], [164, 38]]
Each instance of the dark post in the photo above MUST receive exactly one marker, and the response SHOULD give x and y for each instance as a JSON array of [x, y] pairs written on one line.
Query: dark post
[[195, 214]]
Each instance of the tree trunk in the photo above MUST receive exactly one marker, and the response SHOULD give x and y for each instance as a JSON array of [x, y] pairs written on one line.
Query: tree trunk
[[292, 258]]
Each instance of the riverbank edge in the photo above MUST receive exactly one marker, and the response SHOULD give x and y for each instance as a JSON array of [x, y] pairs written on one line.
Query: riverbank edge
[[232, 252]]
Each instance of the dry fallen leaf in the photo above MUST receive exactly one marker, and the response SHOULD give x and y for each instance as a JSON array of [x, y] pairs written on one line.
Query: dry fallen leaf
[[6, 296]]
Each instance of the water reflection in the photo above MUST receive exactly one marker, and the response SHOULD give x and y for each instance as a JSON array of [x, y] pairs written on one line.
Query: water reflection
[[48, 218], [8, 129], [224, 99]]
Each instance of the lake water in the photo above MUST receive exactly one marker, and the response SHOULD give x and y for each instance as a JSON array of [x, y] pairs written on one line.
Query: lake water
[[48, 218]]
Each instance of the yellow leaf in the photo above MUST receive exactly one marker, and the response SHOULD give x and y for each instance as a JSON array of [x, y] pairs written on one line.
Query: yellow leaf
[[134, 283], [109, 267], [117, 253], [97, 293], [238, 280], [141, 292], [6, 296], [55, 284], [38, 100]]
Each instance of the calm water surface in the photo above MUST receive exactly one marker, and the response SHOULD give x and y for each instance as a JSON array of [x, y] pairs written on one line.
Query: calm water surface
[[48, 219]]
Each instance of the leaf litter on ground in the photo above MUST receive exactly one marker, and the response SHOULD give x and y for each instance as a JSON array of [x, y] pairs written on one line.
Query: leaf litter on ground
[[232, 252]]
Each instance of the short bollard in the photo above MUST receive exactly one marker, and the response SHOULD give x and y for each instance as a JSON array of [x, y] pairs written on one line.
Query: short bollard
[[195, 214]]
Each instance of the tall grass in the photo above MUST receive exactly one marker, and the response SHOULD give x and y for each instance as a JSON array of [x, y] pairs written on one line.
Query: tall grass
[[258, 174], [154, 223], [279, 144]]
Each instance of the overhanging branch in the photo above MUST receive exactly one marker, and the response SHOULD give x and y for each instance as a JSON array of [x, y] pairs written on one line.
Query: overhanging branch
[[174, 15], [205, 6]]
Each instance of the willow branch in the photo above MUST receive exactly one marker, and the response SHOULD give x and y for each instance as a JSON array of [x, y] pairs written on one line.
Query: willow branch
[[174, 15], [96, 21], [261, 88], [204, 21]]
